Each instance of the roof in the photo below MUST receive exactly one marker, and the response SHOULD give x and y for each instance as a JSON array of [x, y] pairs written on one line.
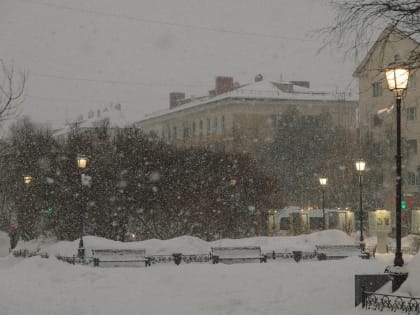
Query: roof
[[111, 113], [263, 89], [382, 40]]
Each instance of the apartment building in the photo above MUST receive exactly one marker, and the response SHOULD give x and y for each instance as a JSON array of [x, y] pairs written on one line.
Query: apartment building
[[377, 114], [238, 118]]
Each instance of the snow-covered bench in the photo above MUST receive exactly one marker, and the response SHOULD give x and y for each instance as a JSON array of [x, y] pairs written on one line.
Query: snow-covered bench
[[237, 254], [120, 257], [339, 251]]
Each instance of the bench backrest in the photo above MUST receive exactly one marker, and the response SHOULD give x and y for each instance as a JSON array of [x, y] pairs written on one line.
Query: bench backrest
[[119, 253], [338, 249], [236, 252]]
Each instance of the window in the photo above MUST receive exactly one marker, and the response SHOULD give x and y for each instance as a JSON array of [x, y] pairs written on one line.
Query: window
[[379, 180], [215, 124], [276, 121], [194, 128], [412, 146], [377, 122], [175, 136], [376, 89], [187, 133], [208, 126], [411, 113], [411, 178], [223, 123], [377, 148], [412, 81], [201, 127]]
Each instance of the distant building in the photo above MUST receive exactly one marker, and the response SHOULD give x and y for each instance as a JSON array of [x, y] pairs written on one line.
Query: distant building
[[111, 116], [237, 118]]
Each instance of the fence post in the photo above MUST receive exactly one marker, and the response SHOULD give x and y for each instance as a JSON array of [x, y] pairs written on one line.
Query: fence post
[[363, 296]]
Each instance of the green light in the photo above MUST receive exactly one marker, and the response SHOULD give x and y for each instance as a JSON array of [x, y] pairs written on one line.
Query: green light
[[403, 204], [50, 210]]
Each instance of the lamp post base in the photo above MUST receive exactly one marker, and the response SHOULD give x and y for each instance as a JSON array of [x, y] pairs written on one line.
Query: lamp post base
[[81, 250], [398, 260], [362, 245]]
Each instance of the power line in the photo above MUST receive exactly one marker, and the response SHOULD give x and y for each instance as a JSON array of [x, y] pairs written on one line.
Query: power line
[[82, 101], [116, 82], [153, 21]]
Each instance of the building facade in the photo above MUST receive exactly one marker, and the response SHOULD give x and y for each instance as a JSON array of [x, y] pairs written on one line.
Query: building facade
[[239, 118], [377, 115]]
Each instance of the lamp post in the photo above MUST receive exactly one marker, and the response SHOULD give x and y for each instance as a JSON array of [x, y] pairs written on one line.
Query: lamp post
[[323, 182], [81, 164], [397, 78], [360, 167], [27, 179]]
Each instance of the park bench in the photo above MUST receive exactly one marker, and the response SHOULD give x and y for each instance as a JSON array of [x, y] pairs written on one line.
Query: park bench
[[241, 254], [120, 258], [326, 252]]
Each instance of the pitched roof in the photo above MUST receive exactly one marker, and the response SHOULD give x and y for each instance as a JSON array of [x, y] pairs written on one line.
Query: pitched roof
[[382, 40], [263, 89]]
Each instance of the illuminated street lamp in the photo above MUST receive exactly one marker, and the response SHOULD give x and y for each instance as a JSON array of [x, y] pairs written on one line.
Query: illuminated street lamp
[[323, 182], [27, 180], [81, 164], [397, 77], [360, 167]]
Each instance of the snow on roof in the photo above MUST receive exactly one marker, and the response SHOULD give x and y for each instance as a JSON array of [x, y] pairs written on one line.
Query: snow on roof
[[263, 89], [112, 113]]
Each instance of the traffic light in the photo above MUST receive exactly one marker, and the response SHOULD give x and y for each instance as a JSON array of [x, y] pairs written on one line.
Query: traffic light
[[403, 204]]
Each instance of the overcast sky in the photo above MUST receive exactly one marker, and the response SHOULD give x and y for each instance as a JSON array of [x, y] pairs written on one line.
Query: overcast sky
[[83, 54]]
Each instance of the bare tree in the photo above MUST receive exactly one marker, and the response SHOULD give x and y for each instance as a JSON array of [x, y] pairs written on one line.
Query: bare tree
[[357, 22], [12, 86]]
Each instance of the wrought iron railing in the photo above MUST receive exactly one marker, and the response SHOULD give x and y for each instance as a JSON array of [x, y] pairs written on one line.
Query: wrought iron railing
[[289, 255], [404, 250], [385, 302]]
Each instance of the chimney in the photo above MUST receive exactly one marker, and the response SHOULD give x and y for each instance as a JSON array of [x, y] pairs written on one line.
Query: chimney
[[258, 78], [224, 84], [304, 84], [175, 99]]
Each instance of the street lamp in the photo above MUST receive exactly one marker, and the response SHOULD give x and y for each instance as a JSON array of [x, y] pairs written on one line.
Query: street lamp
[[397, 77], [27, 179], [323, 182], [81, 164], [360, 167]]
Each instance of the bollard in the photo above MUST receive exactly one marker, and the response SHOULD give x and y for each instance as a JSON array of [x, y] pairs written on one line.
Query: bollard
[[177, 258], [215, 259], [297, 255]]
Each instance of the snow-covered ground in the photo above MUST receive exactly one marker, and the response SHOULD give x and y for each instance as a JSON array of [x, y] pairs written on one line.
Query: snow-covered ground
[[48, 286]]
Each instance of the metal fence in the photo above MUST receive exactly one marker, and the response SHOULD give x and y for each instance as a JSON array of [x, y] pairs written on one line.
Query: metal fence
[[385, 302], [404, 250]]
